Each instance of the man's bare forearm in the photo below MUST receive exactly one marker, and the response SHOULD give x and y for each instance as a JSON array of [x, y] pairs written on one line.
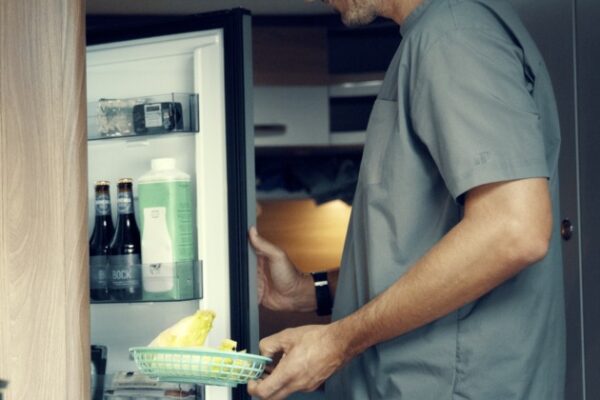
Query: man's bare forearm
[[482, 251]]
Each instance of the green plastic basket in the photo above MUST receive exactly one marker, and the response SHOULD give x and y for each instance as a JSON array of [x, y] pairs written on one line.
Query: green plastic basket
[[198, 365]]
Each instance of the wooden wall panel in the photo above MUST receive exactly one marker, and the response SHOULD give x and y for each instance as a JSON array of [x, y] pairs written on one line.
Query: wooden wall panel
[[313, 236], [290, 56], [44, 323]]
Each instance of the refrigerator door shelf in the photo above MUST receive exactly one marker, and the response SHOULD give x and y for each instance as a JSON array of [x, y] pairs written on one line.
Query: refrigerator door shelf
[[110, 118], [181, 281]]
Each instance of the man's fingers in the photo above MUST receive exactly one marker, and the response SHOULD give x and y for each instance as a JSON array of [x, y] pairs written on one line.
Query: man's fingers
[[272, 387], [263, 388], [253, 386], [290, 385], [260, 285], [261, 245], [268, 369], [271, 345]]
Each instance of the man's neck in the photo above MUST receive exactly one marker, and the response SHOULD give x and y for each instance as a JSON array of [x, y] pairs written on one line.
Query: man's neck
[[398, 10]]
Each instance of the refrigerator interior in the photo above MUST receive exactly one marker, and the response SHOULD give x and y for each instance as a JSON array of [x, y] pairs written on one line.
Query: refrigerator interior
[[182, 63]]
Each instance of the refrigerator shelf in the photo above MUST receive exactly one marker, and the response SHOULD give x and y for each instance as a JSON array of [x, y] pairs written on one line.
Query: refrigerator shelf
[[129, 385], [166, 282], [162, 114]]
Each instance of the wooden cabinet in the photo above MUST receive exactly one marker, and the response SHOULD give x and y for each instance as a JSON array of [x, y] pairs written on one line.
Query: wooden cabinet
[[290, 93], [298, 72], [312, 235], [291, 116], [289, 56], [289, 52], [44, 334]]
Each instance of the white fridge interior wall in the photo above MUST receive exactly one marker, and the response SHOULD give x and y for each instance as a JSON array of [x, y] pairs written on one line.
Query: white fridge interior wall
[[184, 63]]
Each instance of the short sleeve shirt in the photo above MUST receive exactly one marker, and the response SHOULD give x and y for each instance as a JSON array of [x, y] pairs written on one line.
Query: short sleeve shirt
[[467, 100]]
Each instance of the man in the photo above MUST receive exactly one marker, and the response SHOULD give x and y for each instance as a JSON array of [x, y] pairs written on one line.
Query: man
[[451, 278]]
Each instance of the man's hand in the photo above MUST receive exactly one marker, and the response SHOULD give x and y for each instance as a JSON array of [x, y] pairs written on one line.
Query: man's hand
[[281, 287], [310, 355]]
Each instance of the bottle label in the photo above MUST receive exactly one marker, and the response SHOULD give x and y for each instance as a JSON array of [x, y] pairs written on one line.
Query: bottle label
[[169, 281], [167, 222], [158, 277], [125, 203], [102, 204], [125, 271], [153, 115], [98, 272]]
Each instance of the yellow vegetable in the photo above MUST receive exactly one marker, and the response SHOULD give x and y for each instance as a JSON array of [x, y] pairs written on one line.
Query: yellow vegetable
[[189, 332], [228, 345]]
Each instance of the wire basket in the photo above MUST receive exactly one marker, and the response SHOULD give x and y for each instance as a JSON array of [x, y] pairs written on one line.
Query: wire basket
[[198, 365]]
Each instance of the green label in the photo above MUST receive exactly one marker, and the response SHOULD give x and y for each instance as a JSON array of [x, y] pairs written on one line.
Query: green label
[[166, 222]]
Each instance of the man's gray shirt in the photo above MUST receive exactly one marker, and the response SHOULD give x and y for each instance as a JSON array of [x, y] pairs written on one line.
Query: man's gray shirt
[[466, 101]]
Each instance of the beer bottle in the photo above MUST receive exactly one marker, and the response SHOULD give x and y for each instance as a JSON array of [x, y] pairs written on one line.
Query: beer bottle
[[125, 279], [99, 242]]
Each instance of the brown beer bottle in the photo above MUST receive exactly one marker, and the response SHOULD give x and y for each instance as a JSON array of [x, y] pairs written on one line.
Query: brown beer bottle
[[99, 242], [125, 279]]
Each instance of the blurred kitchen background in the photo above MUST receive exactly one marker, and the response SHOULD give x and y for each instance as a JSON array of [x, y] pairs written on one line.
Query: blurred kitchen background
[[315, 82]]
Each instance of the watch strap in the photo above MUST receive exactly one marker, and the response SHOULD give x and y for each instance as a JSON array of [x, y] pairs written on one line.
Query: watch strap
[[322, 292]]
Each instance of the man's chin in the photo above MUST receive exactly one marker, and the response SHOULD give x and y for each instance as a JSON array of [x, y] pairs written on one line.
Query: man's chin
[[353, 20]]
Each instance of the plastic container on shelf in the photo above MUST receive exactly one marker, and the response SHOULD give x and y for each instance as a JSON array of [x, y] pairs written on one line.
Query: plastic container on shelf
[[128, 385], [141, 116], [167, 230], [115, 116]]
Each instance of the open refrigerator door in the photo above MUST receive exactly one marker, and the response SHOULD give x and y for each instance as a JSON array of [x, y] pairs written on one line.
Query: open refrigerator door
[[184, 97]]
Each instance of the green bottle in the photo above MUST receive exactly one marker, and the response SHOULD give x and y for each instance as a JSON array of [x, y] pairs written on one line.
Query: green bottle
[[167, 230]]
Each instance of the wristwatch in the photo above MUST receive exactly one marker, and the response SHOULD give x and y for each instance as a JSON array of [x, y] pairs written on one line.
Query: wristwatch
[[322, 292]]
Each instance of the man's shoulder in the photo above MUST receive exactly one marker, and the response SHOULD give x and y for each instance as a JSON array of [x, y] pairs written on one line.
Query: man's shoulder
[[459, 22], [469, 17]]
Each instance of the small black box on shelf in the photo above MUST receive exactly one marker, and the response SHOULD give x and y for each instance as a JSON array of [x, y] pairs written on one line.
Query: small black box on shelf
[[157, 117]]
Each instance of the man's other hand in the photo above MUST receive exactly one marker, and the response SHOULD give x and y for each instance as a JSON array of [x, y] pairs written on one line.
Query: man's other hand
[[309, 355]]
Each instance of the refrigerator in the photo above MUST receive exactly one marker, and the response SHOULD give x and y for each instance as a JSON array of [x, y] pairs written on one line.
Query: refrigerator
[[205, 58]]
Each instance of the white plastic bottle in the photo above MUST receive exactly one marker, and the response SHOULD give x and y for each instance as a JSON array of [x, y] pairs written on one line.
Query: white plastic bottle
[[168, 245]]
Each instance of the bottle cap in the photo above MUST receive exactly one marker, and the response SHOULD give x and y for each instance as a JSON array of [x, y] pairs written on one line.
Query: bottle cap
[[125, 180], [103, 183], [163, 163]]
